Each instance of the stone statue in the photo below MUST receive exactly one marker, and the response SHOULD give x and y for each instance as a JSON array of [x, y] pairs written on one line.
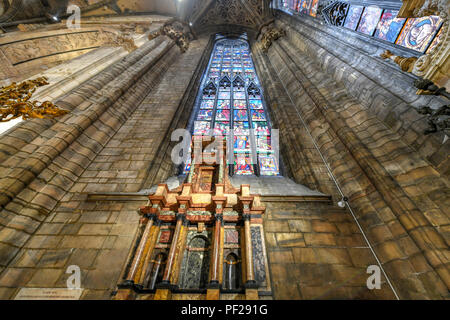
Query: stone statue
[[438, 120]]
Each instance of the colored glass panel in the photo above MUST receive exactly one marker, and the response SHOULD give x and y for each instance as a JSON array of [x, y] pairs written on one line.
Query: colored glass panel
[[223, 115], [232, 108], [239, 95], [389, 26], [313, 10], [263, 144], [268, 165], [204, 115], [243, 164], [240, 104], [223, 104], [221, 128], [207, 104], [261, 128], [224, 95], [353, 15], [241, 128], [241, 143], [255, 104], [369, 20], [240, 115], [202, 128], [418, 32], [258, 115], [436, 41]]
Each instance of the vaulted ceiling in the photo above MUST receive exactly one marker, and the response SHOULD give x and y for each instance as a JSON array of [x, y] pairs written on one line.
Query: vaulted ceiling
[[204, 15]]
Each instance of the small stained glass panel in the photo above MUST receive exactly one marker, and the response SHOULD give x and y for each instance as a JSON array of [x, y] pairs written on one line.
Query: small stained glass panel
[[204, 115], [261, 128], [240, 104], [243, 164], [258, 115], [239, 95], [207, 104], [255, 104], [353, 15], [263, 144], [241, 128], [268, 165], [221, 128], [389, 26], [223, 104], [418, 32], [202, 128], [241, 143], [224, 95], [223, 115], [369, 20], [240, 115]]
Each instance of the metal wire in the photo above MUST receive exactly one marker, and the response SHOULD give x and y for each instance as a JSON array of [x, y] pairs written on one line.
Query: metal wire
[[342, 194]]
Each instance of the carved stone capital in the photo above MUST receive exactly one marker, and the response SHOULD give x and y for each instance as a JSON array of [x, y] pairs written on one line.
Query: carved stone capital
[[272, 34], [177, 31]]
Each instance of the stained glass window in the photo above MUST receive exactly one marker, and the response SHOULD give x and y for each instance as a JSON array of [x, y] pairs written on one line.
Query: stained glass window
[[420, 34], [231, 99]]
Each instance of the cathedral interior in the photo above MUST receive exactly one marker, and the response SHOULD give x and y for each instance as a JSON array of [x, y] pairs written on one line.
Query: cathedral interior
[[224, 149]]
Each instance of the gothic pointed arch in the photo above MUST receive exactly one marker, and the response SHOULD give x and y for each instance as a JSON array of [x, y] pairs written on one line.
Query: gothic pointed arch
[[236, 110]]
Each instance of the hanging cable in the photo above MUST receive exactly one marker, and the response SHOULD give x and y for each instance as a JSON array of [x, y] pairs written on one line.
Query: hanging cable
[[344, 198]]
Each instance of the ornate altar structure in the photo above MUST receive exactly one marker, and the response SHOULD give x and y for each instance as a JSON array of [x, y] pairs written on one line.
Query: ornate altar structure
[[201, 240]]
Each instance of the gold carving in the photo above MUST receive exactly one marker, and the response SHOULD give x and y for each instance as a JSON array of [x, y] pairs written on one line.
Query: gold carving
[[406, 64], [15, 102], [270, 36]]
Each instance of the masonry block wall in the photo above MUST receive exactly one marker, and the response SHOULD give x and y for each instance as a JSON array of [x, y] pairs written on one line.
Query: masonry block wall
[[106, 143], [395, 177], [321, 86]]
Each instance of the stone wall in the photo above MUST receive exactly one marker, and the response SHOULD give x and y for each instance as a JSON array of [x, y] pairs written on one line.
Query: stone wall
[[322, 89], [24, 54], [106, 143], [353, 60], [383, 167]]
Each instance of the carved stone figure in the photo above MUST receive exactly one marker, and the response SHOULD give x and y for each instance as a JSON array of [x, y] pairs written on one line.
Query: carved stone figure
[[438, 120]]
